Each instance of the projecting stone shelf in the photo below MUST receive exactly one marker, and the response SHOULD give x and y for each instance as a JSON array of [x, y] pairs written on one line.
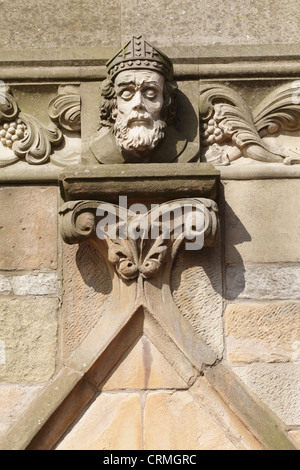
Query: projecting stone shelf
[[157, 182]]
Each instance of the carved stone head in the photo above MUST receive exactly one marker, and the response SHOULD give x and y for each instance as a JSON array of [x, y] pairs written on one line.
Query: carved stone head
[[139, 97]]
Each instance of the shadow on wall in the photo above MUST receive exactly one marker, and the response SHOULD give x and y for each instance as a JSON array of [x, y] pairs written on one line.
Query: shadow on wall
[[206, 270], [234, 285], [186, 121], [93, 268], [198, 269]]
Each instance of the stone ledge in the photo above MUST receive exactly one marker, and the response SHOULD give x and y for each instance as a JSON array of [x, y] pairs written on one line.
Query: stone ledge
[[151, 182], [76, 73], [180, 54], [22, 172], [259, 171]]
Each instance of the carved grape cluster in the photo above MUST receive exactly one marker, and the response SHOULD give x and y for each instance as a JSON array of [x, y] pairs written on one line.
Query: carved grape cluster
[[11, 132], [212, 133]]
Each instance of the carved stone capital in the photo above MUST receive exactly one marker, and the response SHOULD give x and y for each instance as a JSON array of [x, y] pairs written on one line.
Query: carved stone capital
[[138, 245]]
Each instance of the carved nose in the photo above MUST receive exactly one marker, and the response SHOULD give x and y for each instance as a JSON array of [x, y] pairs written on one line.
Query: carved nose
[[138, 101]]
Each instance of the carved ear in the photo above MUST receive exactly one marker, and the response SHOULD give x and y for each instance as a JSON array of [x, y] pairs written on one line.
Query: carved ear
[[114, 112]]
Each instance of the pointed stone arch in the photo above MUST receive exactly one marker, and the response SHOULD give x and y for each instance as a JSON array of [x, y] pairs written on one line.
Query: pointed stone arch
[[171, 378]]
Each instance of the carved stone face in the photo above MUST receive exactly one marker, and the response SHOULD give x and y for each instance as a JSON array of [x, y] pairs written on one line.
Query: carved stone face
[[140, 98]]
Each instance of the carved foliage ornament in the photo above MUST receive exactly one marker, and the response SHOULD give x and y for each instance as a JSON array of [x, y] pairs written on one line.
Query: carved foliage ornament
[[133, 251], [65, 109], [230, 129], [27, 137]]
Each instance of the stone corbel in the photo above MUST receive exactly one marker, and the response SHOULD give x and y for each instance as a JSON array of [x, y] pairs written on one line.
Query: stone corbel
[[140, 263], [131, 257], [231, 130]]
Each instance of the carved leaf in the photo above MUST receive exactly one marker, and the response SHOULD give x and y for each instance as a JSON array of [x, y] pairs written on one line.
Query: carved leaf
[[292, 155], [278, 111], [64, 109], [123, 255], [154, 258], [231, 120], [78, 223], [8, 105], [227, 108], [35, 147]]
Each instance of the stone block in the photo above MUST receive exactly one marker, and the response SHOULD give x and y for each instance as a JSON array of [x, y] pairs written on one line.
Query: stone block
[[188, 110], [196, 283], [40, 410], [14, 399], [28, 227], [263, 282], [277, 385], [90, 93], [174, 420], [144, 367], [112, 422], [87, 289], [99, 23], [262, 221], [76, 24], [29, 284], [262, 332], [165, 22], [28, 333], [35, 100]]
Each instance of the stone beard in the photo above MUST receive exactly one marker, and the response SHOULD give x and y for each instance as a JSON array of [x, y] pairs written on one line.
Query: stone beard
[[134, 135]]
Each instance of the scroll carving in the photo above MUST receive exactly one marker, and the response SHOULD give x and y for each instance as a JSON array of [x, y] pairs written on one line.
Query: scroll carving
[[143, 256], [8, 106], [230, 129], [25, 138], [64, 108], [35, 147]]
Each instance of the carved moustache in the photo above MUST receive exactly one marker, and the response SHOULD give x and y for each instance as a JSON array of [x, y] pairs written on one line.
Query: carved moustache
[[135, 117]]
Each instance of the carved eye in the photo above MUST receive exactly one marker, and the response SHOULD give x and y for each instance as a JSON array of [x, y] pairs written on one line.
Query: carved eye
[[150, 93], [126, 94]]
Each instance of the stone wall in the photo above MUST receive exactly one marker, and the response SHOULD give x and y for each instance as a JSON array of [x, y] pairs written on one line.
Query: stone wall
[[262, 315], [29, 288], [68, 353]]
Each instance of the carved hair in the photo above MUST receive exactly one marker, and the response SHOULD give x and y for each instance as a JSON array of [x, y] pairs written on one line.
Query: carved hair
[[109, 103]]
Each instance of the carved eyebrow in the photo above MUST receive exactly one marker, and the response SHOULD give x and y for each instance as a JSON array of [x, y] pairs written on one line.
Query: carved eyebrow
[[144, 82], [121, 84], [151, 83]]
